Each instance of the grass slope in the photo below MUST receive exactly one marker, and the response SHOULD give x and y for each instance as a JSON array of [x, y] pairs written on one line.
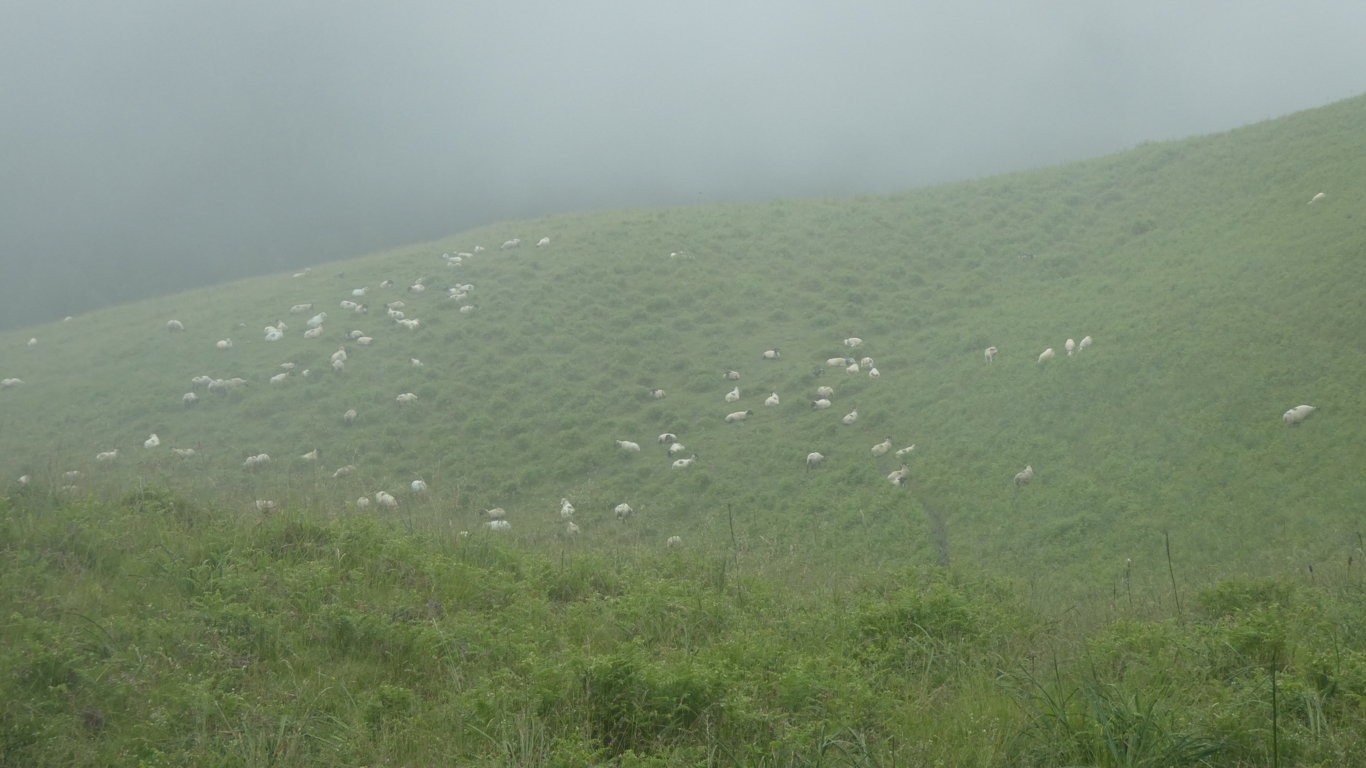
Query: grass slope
[[803, 615]]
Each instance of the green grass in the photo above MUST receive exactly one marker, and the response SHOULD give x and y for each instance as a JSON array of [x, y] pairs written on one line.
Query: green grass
[[155, 616]]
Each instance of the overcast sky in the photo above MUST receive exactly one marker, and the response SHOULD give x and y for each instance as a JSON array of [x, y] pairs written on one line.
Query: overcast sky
[[148, 146]]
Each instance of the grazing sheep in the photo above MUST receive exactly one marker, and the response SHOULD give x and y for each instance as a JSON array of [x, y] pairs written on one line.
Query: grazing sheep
[[183, 453], [1025, 475], [349, 417], [738, 416], [883, 447], [343, 471], [853, 342], [899, 477], [566, 509], [406, 397], [657, 394], [310, 456], [814, 459], [468, 309], [497, 513], [675, 449], [543, 241], [731, 375], [771, 400], [386, 500], [772, 354], [498, 525], [627, 445], [1084, 343], [223, 344], [279, 377], [1046, 355], [513, 243], [417, 288], [874, 373], [840, 362], [299, 309], [674, 542], [1316, 198], [667, 437], [904, 452], [733, 396], [8, 383], [825, 391], [685, 463], [991, 354], [1297, 414], [174, 326], [1070, 346], [106, 456], [850, 417], [821, 403], [201, 381], [189, 398], [418, 486], [152, 441], [623, 511], [411, 323], [259, 460]]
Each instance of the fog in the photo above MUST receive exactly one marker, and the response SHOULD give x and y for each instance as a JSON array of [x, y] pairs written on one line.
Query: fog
[[154, 146]]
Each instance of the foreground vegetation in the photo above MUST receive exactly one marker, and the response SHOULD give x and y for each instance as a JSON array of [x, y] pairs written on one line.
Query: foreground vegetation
[[1179, 585], [153, 631]]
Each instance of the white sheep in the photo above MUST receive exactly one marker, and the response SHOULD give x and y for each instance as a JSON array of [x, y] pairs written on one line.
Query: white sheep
[[771, 400], [991, 354], [1316, 198], [874, 373], [1046, 355], [343, 471], [174, 326], [1297, 414], [189, 398], [1070, 346], [738, 416], [9, 383], [899, 477], [386, 500], [316, 320], [866, 362], [497, 513], [25, 479], [814, 459], [852, 368], [279, 377], [675, 449], [339, 365], [656, 394], [365, 341], [266, 505], [417, 287], [825, 391], [359, 292], [821, 403], [184, 453], [223, 343], [201, 381], [259, 460], [733, 396], [418, 486], [1025, 475], [566, 509], [349, 417], [667, 437], [513, 243], [72, 475], [731, 375], [498, 525], [623, 511], [363, 502], [627, 445], [299, 309], [314, 332], [1084, 343], [543, 241], [310, 456], [772, 354], [152, 441], [410, 323], [850, 417], [406, 397], [904, 452], [883, 447], [853, 342], [106, 455], [273, 334], [838, 362], [414, 362], [685, 463], [351, 306], [468, 309], [674, 542], [571, 528]]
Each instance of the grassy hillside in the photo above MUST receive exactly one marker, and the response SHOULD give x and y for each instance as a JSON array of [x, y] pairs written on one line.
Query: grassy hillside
[[1216, 295]]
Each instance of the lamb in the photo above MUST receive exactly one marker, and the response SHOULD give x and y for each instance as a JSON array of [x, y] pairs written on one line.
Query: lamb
[[1046, 355], [1297, 414], [853, 342], [571, 529], [25, 480], [814, 459], [363, 502], [883, 447], [1025, 475], [991, 354], [850, 417], [623, 511], [106, 455], [174, 326], [1070, 346], [418, 486], [224, 343], [627, 445], [685, 463], [1084, 343], [904, 452], [738, 416], [733, 396], [899, 477], [406, 397], [771, 400], [821, 403], [339, 366], [189, 398], [152, 441], [772, 354]]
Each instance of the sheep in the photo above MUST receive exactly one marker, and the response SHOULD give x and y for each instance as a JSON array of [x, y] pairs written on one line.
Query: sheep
[[904, 452], [174, 326], [685, 463], [386, 500], [266, 505], [1297, 414], [25, 480], [189, 398], [838, 362], [273, 333], [821, 403], [411, 324], [299, 309], [990, 354], [343, 471], [675, 449], [498, 525], [418, 486], [1316, 198], [566, 509], [1070, 346], [406, 397], [623, 511], [814, 459], [359, 292], [395, 314], [310, 456], [772, 354], [1084, 343], [316, 320], [866, 362], [899, 477], [543, 241], [9, 383], [223, 343], [1025, 475], [351, 306], [733, 396], [201, 381], [417, 287], [731, 375], [363, 502], [259, 460], [468, 309], [667, 437], [852, 368], [850, 417], [313, 333], [628, 446], [874, 373], [825, 391], [288, 366], [1046, 355], [513, 243], [738, 416], [107, 455], [771, 400], [497, 513], [72, 475], [674, 542], [414, 362], [656, 394], [339, 366], [883, 447], [184, 453], [349, 417], [853, 342], [279, 377], [571, 528], [152, 441]]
